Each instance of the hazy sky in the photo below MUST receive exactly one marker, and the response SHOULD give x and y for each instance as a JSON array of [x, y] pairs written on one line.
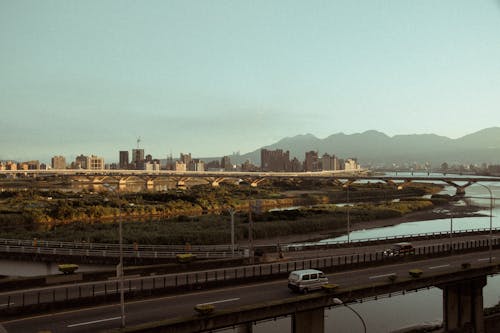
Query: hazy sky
[[212, 77]]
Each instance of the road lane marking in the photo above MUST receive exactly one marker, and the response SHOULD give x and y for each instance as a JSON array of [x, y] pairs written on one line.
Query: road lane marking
[[440, 266], [484, 259], [93, 322], [113, 291], [222, 301], [381, 276]]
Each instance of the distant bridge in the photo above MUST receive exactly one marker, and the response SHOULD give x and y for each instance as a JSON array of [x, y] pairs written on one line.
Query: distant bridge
[[338, 177]]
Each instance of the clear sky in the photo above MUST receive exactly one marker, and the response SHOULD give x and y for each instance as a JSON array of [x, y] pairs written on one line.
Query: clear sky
[[212, 77]]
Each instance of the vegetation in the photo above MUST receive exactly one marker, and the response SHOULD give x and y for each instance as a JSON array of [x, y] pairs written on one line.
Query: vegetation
[[199, 215], [415, 273], [204, 309], [67, 268]]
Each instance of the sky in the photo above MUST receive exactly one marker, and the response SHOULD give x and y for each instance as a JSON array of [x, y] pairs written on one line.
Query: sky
[[212, 77]]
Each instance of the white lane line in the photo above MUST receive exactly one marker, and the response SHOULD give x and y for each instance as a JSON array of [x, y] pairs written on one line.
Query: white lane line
[[222, 301], [7, 304], [93, 322], [484, 259], [113, 291], [440, 266], [380, 276]]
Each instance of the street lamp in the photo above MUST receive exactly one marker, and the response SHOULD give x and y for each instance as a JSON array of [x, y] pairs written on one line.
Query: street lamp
[[338, 301], [348, 215], [491, 219], [232, 211], [119, 269]]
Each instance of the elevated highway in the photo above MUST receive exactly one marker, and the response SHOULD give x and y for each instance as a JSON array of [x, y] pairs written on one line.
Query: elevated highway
[[244, 305]]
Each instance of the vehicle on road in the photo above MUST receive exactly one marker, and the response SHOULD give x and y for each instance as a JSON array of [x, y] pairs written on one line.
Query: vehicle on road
[[306, 280], [400, 249]]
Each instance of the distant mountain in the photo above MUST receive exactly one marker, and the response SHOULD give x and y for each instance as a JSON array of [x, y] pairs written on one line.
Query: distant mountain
[[375, 148]]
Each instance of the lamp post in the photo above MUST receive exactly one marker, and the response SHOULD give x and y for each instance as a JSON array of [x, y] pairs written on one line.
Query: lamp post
[[232, 211], [120, 264], [491, 220], [338, 301], [348, 215], [451, 232]]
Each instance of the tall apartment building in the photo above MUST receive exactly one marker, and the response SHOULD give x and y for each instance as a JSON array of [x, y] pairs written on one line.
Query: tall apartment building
[[185, 158], [95, 163], [196, 165], [180, 166], [80, 162], [329, 162], [274, 160], [351, 164], [311, 162], [225, 164], [124, 160], [138, 159], [88, 162], [58, 162]]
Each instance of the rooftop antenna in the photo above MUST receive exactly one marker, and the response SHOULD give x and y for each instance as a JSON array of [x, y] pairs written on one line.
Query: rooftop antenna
[[138, 141]]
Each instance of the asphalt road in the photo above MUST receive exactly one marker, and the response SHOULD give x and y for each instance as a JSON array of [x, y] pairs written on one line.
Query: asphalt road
[[137, 312]]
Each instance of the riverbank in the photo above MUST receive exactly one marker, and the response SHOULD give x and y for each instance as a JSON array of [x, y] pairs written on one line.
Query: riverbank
[[435, 213]]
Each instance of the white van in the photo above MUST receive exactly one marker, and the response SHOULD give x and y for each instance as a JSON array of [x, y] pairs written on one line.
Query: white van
[[306, 280]]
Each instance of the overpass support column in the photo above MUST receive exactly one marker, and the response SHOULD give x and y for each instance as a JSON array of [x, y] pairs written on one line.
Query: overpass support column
[[308, 321], [245, 328], [463, 306]]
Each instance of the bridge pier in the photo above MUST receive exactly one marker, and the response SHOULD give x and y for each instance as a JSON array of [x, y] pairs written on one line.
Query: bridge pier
[[463, 306], [309, 321]]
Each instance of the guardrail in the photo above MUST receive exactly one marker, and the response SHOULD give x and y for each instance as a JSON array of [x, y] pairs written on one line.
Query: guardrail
[[203, 249], [395, 238], [64, 296], [115, 253], [111, 246]]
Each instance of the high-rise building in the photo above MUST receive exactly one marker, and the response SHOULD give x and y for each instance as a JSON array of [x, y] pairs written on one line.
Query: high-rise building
[[311, 162], [225, 164], [95, 163], [124, 160], [58, 162], [274, 160], [185, 158], [329, 162], [80, 162], [138, 158]]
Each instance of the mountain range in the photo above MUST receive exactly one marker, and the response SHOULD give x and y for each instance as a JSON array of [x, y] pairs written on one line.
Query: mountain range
[[376, 148]]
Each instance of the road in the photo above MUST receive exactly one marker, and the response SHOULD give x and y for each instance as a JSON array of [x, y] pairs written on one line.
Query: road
[[137, 312]]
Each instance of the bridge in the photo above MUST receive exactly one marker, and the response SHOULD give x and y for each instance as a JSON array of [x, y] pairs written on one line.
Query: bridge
[[339, 177], [359, 276]]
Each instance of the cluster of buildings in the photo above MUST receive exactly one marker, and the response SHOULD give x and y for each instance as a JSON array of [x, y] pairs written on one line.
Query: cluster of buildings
[[271, 160], [279, 160]]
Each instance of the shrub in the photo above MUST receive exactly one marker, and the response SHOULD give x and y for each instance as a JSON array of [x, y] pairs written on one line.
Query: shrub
[[415, 272], [329, 287], [67, 268], [204, 309], [184, 258], [392, 277]]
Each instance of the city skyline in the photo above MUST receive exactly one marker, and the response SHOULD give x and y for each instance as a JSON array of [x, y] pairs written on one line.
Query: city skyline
[[213, 78]]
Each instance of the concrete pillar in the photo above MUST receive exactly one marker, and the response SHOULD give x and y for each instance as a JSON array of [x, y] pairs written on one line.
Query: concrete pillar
[[309, 321], [463, 305], [245, 328]]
